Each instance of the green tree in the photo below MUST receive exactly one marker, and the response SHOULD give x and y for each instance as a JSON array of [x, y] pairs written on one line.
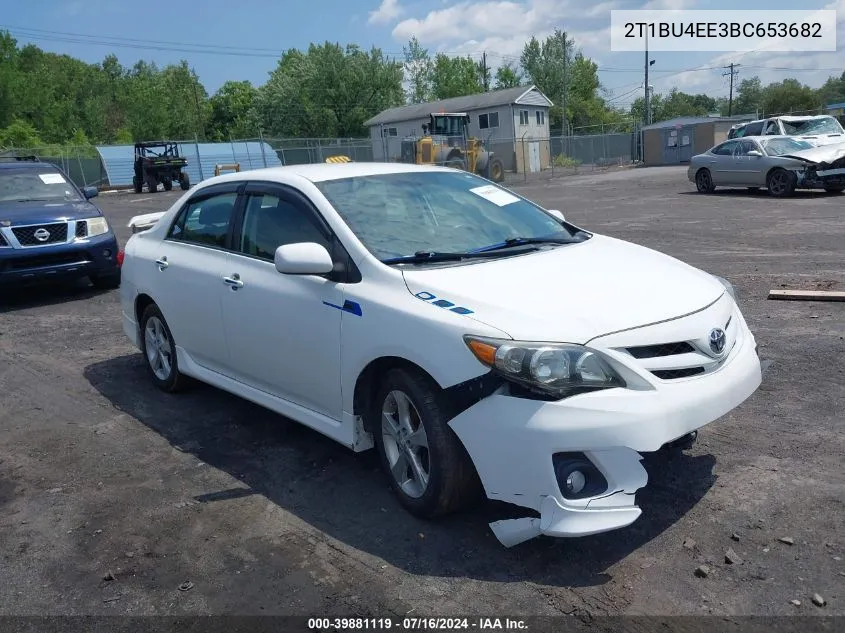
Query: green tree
[[749, 96], [20, 134], [833, 90], [454, 77], [418, 69], [232, 111], [790, 95], [328, 91], [548, 65], [508, 76]]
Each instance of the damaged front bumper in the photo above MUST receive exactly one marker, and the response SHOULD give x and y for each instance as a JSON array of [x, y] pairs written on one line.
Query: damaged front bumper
[[514, 441], [825, 166]]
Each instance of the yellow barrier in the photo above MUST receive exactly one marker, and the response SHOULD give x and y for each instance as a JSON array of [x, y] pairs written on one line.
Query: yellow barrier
[[218, 169], [338, 159]]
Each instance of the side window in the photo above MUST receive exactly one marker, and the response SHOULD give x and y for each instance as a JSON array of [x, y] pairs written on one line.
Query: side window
[[725, 149], [270, 222], [205, 221], [771, 128], [744, 147], [754, 129], [523, 117]]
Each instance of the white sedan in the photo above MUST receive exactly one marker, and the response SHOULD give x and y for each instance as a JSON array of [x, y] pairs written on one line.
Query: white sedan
[[478, 341]]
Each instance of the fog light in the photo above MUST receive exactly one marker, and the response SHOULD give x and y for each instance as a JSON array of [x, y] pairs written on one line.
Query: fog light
[[577, 477], [575, 482]]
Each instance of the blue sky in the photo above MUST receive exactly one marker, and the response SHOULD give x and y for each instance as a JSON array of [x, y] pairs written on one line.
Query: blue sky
[[256, 30]]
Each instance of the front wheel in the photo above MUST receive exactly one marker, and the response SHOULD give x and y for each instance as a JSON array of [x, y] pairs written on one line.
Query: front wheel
[[160, 351], [704, 181], [152, 184], [184, 181], [168, 184], [137, 184], [496, 170], [781, 183], [427, 466]]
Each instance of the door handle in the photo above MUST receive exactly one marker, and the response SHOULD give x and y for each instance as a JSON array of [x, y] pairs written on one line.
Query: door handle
[[234, 282], [162, 263]]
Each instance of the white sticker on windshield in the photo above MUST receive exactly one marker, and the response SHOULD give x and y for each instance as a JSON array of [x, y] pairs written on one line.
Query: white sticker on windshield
[[495, 195], [52, 179]]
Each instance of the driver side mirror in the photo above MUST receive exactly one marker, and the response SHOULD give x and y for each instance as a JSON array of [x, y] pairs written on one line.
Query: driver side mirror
[[304, 258], [557, 214], [90, 192], [755, 152]]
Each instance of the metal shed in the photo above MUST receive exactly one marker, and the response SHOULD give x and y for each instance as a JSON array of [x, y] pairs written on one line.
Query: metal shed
[[677, 140], [118, 160]]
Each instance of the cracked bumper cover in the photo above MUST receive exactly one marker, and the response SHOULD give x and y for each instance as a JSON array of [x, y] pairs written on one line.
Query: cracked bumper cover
[[511, 442]]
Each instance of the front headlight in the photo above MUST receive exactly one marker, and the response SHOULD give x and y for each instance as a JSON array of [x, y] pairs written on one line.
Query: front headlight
[[557, 369], [96, 226], [729, 287]]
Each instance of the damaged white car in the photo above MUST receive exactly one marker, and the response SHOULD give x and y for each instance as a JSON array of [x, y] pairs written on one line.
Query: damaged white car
[[479, 342], [782, 164], [820, 129]]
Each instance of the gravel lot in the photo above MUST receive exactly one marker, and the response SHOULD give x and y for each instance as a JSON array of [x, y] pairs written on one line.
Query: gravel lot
[[113, 494]]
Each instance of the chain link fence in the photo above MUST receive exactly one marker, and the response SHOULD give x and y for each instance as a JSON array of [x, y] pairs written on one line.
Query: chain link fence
[[522, 158]]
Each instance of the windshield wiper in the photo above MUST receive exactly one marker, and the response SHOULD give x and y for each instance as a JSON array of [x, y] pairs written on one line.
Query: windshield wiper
[[522, 241], [430, 257]]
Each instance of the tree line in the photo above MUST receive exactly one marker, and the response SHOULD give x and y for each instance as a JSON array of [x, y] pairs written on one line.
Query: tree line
[[327, 90]]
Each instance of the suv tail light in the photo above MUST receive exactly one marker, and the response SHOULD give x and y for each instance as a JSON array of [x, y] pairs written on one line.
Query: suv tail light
[[120, 258]]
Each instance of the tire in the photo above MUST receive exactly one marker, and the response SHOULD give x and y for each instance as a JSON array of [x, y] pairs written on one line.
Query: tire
[[152, 184], [137, 184], [184, 181], [835, 189], [781, 183], [168, 184], [496, 170], [451, 482], [704, 181], [165, 375], [107, 281]]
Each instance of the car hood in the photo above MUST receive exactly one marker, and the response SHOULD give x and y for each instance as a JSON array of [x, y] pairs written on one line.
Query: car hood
[[18, 213], [821, 140], [571, 293], [825, 154]]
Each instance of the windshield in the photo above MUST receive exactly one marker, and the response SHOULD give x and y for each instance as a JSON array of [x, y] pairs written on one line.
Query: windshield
[[35, 184], [781, 146], [823, 125], [397, 215]]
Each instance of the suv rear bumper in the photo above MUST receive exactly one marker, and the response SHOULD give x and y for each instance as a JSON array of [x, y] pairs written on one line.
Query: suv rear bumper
[[91, 256]]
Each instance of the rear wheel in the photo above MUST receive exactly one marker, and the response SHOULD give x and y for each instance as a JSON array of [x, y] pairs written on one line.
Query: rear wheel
[[704, 181], [152, 184], [424, 460], [160, 351], [137, 184], [781, 183], [184, 181]]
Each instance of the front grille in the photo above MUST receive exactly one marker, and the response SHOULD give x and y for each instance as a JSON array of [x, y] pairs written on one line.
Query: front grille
[[56, 233], [46, 261], [664, 349], [81, 229], [673, 374]]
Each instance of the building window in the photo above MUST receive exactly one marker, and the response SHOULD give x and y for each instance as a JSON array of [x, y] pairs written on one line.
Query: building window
[[489, 120], [389, 131], [541, 117], [523, 117]]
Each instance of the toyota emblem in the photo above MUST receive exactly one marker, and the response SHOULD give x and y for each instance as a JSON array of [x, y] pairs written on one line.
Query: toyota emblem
[[42, 235], [717, 340]]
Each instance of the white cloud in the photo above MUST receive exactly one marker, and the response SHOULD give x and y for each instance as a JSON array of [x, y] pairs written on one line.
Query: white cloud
[[387, 11], [670, 5]]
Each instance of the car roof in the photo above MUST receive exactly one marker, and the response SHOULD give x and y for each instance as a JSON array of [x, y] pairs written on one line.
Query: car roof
[[26, 164], [319, 172]]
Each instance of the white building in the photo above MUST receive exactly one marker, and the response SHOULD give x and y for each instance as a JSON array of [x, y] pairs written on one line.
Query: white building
[[512, 122]]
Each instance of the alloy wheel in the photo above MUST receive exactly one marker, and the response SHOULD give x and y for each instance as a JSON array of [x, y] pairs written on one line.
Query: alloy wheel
[[405, 444], [158, 348]]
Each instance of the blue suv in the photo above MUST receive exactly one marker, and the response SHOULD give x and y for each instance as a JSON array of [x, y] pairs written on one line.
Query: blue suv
[[49, 228]]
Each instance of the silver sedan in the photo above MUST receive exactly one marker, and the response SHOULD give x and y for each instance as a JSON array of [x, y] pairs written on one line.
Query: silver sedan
[[779, 163]]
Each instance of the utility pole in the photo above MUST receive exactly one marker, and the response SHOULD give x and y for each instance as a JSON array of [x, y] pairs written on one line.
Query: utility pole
[[647, 112], [485, 77], [564, 122], [732, 73]]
